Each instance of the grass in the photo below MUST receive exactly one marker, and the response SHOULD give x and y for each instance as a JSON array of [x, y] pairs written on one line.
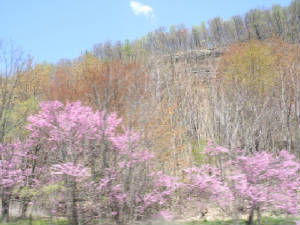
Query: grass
[[36, 222], [264, 221]]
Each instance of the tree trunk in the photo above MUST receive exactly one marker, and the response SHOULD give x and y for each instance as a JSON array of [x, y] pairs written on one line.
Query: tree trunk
[[250, 218], [73, 217], [258, 215], [236, 218], [25, 204], [5, 208]]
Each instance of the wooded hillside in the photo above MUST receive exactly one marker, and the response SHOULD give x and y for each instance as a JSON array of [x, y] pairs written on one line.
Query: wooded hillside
[[129, 130]]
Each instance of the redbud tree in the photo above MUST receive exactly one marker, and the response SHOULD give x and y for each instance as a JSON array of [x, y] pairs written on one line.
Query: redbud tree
[[265, 182], [261, 182], [104, 169]]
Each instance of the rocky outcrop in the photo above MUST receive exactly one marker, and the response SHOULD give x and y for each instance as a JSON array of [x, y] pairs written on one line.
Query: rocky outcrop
[[195, 55], [202, 63]]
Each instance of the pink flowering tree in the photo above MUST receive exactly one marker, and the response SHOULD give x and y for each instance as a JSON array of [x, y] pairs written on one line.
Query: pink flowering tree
[[128, 190], [205, 187], [105, 170], [13, 174], [264, 182], [252, 183]]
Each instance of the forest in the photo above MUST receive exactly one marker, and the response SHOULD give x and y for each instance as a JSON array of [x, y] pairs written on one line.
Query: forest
[[181, 123]]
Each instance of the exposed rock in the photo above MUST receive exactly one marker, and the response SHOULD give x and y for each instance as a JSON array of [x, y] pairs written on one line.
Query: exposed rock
[[194, 55], [202, 63]]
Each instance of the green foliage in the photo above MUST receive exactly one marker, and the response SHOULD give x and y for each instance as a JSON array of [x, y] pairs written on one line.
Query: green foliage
[[126, 48], [25, 192], [250, 66], [50, 188], [197, 152], [32, 192], [17, 117]]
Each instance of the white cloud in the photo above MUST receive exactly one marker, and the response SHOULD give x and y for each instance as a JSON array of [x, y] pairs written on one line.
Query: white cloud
[[139, 8]]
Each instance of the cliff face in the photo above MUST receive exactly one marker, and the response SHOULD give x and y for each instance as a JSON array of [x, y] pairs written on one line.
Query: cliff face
[[197, 55], [202, 63]]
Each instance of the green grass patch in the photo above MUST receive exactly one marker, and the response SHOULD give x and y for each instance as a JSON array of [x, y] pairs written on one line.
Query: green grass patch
[[264, 221], [278, 221], [36, 222]]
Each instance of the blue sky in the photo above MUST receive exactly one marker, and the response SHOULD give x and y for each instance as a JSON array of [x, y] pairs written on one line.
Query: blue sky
[[53, 29]]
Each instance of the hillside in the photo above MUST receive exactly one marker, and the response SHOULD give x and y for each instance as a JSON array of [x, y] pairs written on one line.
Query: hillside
[[199, 122]]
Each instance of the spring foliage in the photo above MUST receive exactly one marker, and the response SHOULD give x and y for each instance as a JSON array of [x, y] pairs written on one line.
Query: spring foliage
[[100, 171]]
